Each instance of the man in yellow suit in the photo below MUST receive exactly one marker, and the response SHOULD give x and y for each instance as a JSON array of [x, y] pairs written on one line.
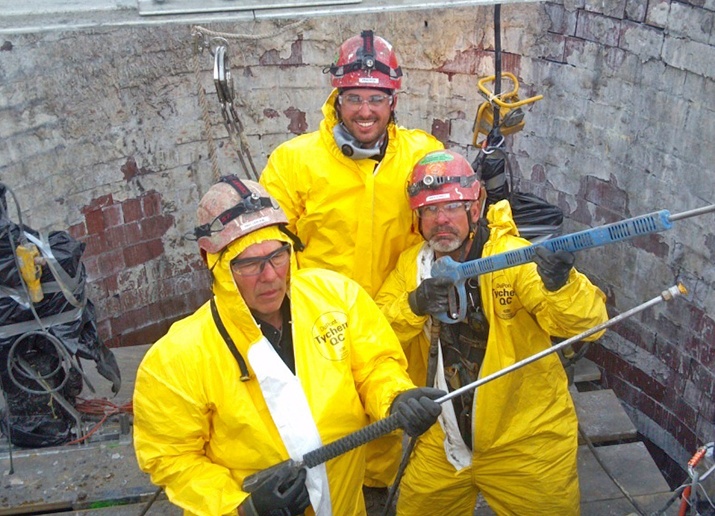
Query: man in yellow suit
[[278, 363], [514, 439], [343, 186]]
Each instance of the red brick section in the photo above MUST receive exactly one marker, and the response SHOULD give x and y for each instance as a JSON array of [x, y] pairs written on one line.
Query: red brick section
[[440, 130], [136, 291]]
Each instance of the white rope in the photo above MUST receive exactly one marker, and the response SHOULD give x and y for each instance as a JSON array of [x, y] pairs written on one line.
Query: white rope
[[203, 103], [229, 35]]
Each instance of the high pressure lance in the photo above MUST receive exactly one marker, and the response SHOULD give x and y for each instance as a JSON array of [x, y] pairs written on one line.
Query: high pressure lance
[[391, 423], [460, 272]]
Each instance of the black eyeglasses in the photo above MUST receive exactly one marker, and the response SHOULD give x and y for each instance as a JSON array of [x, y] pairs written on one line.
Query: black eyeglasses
[[254, 266]]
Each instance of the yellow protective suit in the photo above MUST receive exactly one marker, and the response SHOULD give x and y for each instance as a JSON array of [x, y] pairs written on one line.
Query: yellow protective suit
[[353, 217], [199, 430], [525, 428]]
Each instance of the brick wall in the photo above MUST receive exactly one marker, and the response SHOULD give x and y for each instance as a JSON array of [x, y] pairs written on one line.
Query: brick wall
[[102, 133], [138, 292], [630, 81]]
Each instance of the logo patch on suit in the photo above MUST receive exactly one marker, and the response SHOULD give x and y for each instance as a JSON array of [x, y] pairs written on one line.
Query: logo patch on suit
[[506, 302], [329, 334]]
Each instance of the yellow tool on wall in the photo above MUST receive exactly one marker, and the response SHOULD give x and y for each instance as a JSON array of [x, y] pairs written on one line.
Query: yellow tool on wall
[[508, 106]]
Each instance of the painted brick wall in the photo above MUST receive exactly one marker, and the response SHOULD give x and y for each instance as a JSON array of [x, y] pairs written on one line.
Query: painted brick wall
[[137, 296], [102, 133], [630, 83]]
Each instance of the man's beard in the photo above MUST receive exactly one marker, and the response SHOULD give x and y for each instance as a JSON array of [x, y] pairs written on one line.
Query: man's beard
[[442, 245]]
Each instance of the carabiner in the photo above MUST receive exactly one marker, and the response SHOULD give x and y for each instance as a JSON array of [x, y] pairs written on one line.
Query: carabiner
[[222, 76]]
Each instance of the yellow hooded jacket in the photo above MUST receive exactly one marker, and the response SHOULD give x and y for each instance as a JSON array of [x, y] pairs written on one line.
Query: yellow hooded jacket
[[200, 430], [352, 215], [525, 419]]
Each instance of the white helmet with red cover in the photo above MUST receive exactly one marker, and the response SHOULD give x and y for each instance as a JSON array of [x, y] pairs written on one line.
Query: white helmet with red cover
[[232, 208]]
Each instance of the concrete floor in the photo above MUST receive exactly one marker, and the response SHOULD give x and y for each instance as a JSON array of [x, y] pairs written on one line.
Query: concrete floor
[[102, 477]]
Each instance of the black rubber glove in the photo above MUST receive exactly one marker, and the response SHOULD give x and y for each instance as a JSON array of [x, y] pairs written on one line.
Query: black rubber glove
[[417, 409], [431, 296], [282, 494], [553, 267]]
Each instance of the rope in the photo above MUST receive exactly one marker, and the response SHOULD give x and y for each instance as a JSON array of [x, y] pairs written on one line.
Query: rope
[[99, 407], [203, 39], [203, 102], [229, 35]]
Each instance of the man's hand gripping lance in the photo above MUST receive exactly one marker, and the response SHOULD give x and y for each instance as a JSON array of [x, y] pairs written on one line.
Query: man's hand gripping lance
[[391, 423], [459, 273]]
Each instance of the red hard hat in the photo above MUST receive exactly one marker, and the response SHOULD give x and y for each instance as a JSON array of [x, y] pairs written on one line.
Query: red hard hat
[[442, 176], [233, 208], [366, 61]]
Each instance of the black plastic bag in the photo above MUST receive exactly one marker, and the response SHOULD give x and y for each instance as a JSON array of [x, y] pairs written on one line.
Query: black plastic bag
[[535, 218], [67, 331]]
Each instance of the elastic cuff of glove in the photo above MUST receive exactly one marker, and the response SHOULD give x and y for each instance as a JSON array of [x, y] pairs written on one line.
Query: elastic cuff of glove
[[247, 508], [412, 300]]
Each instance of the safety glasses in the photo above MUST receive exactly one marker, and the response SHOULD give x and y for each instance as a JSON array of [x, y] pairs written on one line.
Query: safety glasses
[[354, 101], [255, 266], [450, 209]]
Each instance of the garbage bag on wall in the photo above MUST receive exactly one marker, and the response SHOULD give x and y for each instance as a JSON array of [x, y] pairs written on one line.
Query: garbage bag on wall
[[535, 218]]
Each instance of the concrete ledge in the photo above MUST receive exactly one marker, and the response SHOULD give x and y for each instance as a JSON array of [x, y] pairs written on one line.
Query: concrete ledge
[[601, 416], [586, 371]]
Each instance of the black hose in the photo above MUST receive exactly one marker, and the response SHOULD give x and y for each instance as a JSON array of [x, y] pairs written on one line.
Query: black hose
[[497, 61], [351, 441]]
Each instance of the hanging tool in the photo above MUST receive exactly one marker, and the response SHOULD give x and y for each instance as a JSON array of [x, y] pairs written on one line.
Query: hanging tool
[[489, 114], [223, 81], [459, 273], [500, 114], [391, 423]]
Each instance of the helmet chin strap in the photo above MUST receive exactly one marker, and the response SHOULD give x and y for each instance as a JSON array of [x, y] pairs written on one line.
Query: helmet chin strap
[[351, 147]]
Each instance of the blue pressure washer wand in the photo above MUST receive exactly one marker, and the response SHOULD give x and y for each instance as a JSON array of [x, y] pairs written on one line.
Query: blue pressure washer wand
[[459, 273]]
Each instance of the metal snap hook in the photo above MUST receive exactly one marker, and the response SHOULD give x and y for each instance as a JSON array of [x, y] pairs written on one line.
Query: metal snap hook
[[222, 76]]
